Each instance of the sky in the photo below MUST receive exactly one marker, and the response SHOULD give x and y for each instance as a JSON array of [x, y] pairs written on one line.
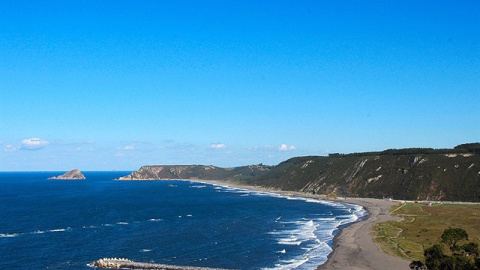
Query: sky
[[114, 85]]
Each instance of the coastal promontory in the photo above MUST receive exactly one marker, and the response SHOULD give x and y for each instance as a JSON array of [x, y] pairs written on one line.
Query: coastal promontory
[[74, 174], [406, 174], [196, 172]]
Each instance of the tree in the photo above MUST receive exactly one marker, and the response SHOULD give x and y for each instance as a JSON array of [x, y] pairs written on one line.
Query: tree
[[471, 249], [417, 265], [459, 257], [434, 257], [452, 236]]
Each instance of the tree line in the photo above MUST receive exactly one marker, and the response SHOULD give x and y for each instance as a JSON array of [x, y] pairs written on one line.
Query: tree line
[[459, 149]]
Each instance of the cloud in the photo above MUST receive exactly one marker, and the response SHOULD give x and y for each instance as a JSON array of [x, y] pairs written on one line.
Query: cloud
[[128, 147], [285, 147], [10, 148], [218, 146], [33, 144]]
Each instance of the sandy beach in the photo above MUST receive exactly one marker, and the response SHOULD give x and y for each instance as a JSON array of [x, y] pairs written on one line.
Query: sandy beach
[[353, 246]]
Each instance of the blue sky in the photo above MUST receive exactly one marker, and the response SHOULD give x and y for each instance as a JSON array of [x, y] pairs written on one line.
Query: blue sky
[[103, 85]]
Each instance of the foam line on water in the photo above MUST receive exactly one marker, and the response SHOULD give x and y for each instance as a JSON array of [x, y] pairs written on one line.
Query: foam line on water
[[67, 229], [9, 235], [313, 236]]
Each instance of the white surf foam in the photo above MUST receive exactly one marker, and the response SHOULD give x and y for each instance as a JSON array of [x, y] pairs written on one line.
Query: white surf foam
[[8, 235], [198, 186], [57, 230], [313, 235]]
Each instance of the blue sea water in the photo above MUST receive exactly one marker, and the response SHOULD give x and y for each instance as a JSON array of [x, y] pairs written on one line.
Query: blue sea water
[[55, 224]]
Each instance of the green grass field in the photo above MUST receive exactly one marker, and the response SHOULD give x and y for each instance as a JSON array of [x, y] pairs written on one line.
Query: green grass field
[[422, 225]]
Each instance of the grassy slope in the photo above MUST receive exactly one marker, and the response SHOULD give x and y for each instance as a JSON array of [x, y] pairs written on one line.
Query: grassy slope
[[421, 226], [422, 176]]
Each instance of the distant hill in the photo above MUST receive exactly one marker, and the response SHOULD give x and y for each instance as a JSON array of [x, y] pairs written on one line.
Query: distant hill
[[196, 172], [412, 174]]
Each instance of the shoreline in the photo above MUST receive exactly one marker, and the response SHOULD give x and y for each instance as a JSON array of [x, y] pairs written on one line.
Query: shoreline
[[353, 247]]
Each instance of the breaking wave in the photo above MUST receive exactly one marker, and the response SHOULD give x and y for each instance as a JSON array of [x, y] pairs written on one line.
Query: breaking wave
[[314, 236]]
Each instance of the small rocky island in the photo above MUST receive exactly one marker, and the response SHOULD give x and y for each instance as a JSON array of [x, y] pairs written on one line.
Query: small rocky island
[[71, 175]]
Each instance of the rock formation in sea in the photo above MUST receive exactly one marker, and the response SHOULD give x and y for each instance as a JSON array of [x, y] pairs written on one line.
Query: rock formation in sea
[[71, 175]]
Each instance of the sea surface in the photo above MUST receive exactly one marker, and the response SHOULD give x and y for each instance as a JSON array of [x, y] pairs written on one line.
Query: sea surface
[[58, 224]]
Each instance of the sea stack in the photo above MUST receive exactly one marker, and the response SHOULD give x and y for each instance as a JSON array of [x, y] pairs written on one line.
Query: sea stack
[[71, 175]]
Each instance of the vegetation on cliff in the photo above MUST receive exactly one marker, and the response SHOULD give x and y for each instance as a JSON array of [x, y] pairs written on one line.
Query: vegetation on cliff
[[413, 173]]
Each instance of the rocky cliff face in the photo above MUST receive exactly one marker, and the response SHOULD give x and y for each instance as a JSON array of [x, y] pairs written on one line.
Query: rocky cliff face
[[71, 175], [424, 176], [196, 172]]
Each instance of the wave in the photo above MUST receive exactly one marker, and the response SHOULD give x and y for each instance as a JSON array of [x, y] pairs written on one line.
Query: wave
[[8, 235], [314, 235], [155, 219], [198, 186], [290, 264], [60, 230]]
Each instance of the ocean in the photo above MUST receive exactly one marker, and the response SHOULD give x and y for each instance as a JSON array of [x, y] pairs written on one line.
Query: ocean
[[57, 224]]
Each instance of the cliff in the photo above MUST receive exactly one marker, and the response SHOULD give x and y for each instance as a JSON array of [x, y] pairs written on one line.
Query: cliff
[[196, 172], [71, 175], [410, 174], [451, 177]]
